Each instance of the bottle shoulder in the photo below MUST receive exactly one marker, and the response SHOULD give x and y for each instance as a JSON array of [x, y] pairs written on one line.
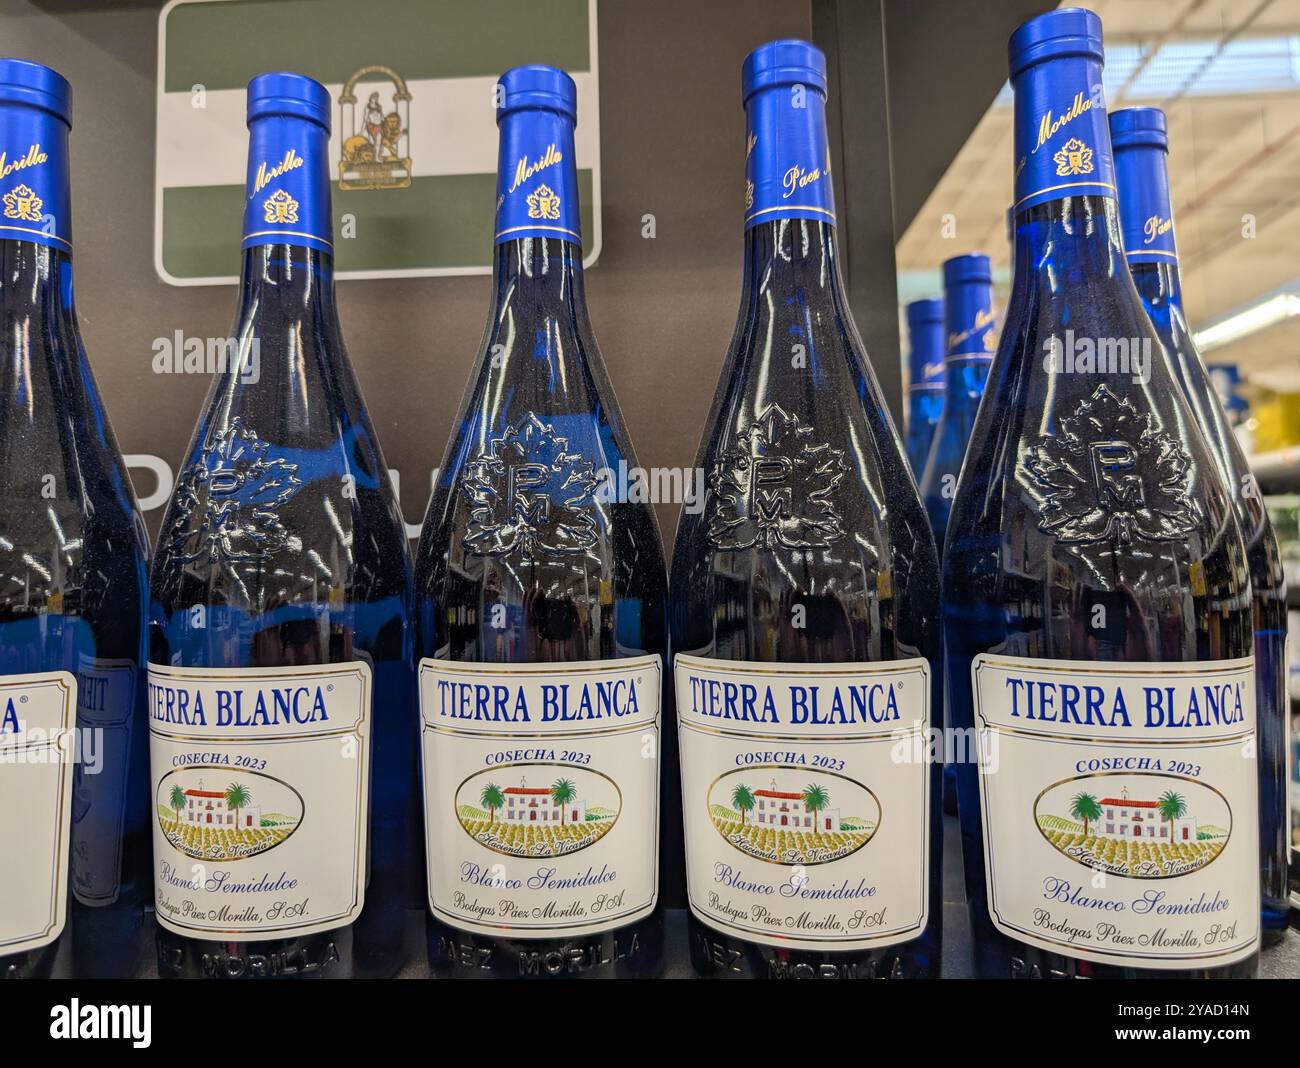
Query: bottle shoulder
[[1247, 499], [69, 517], [539, 423], [809, 502], [1093, 488], [540, 541], [283, 494]]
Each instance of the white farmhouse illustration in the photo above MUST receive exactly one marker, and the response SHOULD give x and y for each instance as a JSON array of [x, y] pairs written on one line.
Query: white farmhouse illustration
[[1133, 820], [534, 804], [210, 808], [787, 811]]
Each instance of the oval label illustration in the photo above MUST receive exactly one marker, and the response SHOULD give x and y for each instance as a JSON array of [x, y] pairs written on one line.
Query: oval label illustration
[[793, 815], [211, 813], [1142, 825], [538, 810]]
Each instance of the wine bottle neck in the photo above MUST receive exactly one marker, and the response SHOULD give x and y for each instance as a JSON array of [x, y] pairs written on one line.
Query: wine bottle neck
[[927, 336], [287, 200], [1146, 208], [540, 272], [1062, 142], [34, 279], [291, 282], [287, 343], [787, 161], [792, 256], [1066, 219], [1071, 240], [1158, 283], [35, 205], [35, 293], [537, 179], [37, 323], [968, 311]]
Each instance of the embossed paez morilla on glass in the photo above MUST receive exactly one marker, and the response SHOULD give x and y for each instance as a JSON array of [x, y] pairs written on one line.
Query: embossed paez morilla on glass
[[1141, 145], [1096, 596], [925, 335], [804, 606], [281, 711], [542, 614], [73, 744]]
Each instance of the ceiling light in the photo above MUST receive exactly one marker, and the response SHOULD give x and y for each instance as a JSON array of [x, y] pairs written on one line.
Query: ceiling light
[[1250, 320]]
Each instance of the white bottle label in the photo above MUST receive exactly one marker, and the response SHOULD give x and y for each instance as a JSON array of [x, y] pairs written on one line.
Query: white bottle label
[[1121, 808], [806, 790], [261, 798], [541, 794], [37, 750]]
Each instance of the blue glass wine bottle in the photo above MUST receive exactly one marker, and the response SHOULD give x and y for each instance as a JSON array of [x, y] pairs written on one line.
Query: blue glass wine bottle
[[542, 614], [72, 613], [968, 352], [970, 339], [1141, 144], [925, 332], [804, 606], [1096, 596], [280, 684]]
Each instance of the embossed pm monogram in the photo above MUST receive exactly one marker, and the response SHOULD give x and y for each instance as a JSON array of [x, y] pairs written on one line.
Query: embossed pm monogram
[[1112, 473], [531, 495], [774, 486]]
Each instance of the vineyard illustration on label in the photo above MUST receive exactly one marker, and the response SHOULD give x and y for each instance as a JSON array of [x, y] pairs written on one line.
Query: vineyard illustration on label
[[538, 810], [1143, 826], [213, 814], [787, 816]]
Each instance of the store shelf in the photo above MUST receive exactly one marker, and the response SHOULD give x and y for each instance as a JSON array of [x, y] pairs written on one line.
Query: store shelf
[[1280, 466]]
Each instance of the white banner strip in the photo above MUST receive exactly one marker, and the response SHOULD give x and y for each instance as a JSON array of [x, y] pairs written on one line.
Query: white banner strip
[[452, 130]]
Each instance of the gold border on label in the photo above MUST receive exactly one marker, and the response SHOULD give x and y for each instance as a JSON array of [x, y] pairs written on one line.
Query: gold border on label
[[1132, 774], [1111, 957], [533, 670], [589, 926], [253, 237], [361, 730], [821, 771], [536, 764], [62, 243], [535, 226], [828, 214], [62, 860]]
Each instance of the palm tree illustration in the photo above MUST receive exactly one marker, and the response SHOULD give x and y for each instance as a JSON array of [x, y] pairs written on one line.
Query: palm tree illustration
[[815, 798], [742, 800], [491, 799], [562, 792], [1172, 806], [177, 801], [237, 797], [1085, 807]]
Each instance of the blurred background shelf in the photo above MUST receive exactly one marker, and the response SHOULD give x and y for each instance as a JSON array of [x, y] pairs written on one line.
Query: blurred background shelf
[[1280, 466]]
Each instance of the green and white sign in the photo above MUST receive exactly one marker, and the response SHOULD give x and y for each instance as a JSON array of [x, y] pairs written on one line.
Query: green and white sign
[[413, 147]]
